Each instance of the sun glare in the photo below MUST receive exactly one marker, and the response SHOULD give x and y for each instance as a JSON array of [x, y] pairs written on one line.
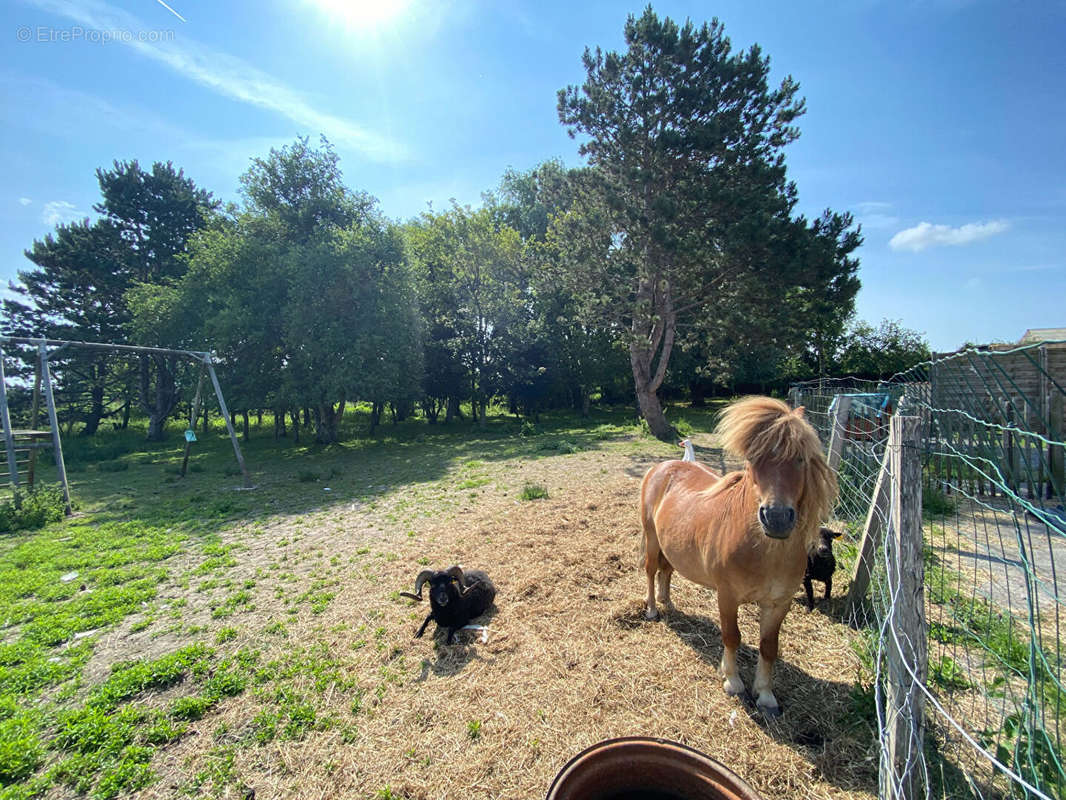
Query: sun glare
[[363, 15]]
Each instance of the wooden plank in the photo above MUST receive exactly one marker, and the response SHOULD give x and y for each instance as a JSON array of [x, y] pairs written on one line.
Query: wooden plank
[[903, 735], [839, 431], [1057, 474], [876, 516]]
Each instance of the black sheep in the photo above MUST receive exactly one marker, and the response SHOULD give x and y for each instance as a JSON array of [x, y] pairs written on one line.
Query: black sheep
[[820, 566], [455, 597]]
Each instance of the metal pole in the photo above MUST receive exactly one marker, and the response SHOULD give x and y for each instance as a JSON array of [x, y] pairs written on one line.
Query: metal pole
[[130, 348], [192, 420], [9, 435], [34, 416], [57, 445], [229, 422]]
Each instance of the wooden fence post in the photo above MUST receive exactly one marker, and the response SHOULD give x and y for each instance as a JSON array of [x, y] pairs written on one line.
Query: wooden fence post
[[876, 517], [1055, 460], [839, 431], [902, 770]]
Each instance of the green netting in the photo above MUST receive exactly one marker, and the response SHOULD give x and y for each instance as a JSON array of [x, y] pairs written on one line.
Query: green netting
[[995, 542]]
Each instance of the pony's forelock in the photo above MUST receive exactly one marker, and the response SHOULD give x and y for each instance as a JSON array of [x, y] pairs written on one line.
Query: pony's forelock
[[763, 428]]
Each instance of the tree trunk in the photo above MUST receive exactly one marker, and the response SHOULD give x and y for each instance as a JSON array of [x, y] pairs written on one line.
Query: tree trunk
[[649, 354], [586, 400], [453, 411], [326, 423], [697, 394], [165, 397], [245, 415], [96, 410], [647, 399], [295, 425]]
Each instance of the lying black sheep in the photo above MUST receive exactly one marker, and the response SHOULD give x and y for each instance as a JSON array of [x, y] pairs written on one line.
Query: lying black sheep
[[821, 564], [455, 597]]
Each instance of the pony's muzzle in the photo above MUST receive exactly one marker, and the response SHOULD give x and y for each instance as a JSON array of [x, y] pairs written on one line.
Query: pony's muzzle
[[777, 521]]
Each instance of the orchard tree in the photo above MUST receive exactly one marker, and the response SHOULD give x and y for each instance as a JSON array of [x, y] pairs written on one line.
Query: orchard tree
[[688, 206]]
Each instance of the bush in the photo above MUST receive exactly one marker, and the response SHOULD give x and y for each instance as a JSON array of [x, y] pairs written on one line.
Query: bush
[[37, 508]]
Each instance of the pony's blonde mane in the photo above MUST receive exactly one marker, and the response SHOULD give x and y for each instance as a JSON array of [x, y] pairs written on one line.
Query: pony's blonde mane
[[764, 429]]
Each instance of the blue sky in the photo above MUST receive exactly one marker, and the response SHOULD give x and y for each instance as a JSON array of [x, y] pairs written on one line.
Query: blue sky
[[941, 125]]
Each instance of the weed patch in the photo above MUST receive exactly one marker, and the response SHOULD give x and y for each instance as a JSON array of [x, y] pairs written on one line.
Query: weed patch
[[32, 510], [533, 491]]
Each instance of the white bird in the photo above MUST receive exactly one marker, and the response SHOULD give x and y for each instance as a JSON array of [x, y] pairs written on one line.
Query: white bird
[[690, 454]]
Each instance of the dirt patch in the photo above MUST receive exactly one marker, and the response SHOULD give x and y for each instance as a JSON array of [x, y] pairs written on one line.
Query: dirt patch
[[569, 660]]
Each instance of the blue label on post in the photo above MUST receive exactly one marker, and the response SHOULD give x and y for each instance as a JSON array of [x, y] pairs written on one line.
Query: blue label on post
[[190, 435]]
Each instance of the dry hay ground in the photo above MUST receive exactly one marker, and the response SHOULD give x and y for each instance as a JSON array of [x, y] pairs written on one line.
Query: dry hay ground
[[569, 659]]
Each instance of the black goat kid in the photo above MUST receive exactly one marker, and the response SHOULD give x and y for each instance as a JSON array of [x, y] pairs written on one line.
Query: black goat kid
[[821, 564], [455, 597]]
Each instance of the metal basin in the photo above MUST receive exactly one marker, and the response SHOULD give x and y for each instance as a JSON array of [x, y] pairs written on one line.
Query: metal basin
[[638, 768]]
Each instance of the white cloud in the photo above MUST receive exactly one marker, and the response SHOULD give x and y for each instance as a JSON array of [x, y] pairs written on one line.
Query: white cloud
[[926, 234], [57, 212], [231, 77], [24, 201]]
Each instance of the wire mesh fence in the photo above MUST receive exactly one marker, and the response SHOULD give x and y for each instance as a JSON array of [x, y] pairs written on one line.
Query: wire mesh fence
[[993, 550]]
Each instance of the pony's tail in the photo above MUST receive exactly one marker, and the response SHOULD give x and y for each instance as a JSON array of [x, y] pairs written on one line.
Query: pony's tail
[[642, 549]]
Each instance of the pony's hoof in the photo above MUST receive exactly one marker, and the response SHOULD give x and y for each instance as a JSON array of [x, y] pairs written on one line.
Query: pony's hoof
[[769, 706], [733, 686], [651, 615]]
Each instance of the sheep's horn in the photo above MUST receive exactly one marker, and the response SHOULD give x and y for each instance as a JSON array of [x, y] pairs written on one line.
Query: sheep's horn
[[457, 573], [423, 576]]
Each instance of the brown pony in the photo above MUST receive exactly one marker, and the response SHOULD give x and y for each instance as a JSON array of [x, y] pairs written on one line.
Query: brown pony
[[746, 534]]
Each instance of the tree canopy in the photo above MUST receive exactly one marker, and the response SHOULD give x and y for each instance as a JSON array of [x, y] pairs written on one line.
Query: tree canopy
[[685, 229], [672, 262]]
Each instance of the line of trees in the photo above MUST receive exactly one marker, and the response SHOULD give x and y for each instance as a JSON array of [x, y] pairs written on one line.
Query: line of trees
[[673, 263]]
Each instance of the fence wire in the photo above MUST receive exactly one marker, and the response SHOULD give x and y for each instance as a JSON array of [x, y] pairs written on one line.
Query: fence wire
[[994, 528]]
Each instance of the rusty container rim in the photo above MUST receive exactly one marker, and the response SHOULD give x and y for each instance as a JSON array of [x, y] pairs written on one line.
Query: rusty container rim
[[717, 777]]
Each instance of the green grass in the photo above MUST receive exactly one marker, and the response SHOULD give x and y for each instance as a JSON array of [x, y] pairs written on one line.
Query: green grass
[[972, 622]]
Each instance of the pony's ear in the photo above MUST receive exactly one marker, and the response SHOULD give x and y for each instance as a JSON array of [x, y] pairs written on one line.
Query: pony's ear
[[798, 411]]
